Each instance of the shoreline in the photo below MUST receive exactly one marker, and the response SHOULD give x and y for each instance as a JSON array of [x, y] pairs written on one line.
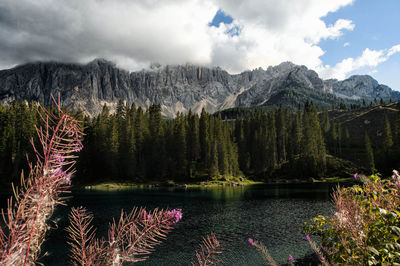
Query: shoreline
[[115, 186]]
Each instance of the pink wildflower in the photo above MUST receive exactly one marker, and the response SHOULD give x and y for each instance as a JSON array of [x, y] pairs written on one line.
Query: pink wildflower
[[176, 215], [308, 237], [251, 241], [355, 176], [68, 180], [291, 258], [59, 172]]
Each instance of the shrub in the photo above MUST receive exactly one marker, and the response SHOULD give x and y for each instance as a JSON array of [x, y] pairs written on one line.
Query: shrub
[[28, 213], [365, 229]]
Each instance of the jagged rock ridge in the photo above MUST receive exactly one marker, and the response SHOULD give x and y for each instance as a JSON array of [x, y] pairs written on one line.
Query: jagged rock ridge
[[176, 88]]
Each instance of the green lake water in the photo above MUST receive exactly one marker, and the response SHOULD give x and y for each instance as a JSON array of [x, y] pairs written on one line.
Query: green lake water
[[272, 214]]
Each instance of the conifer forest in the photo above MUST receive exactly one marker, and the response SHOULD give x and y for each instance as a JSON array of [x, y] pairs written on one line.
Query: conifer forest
[[140, 145]]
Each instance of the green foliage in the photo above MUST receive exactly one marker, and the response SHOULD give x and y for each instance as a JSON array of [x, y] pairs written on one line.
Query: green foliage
[[370, 154], [365, 229], [387, 141], [17, 127], [313, 153], [140, 146], [136, 145]]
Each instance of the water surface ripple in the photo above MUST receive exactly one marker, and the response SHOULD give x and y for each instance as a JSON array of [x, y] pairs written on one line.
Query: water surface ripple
[[272, 214]]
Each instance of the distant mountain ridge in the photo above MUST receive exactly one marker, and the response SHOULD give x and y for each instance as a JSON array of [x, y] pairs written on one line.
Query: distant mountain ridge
[[182, 87]]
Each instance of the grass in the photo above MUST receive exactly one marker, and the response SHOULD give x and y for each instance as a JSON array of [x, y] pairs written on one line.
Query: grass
[[334, 180], [216, 181], [213, 182], [112, 186], [225, 181]]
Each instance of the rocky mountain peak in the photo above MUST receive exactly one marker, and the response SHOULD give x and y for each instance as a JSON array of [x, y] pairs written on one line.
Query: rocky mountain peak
[[361, 86], [101, 62], [282, 67], [177, 88]]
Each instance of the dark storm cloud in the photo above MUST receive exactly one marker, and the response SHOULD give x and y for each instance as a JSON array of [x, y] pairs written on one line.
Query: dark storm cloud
[[133, 33]]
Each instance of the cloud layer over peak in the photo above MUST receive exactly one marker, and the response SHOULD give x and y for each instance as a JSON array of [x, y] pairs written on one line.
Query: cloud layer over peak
[[369, 58], [135, 33]]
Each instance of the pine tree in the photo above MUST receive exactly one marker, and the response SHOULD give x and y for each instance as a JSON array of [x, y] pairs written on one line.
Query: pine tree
[[272, 142], [213, 162], [347, 137], [334, 138], [204, 137], [387, 141], [297, 135], [241, 144], [325, 124], [339, 138], [121, 109], [193, 137], [179, 149], [281, 132], [223, 164], [155, 159], [140, 130], [369, 154], [397, 130], [313, 146]]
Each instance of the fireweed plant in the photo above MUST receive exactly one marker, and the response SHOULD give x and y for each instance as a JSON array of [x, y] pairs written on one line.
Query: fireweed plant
[[270, 261], [263, 251], [131, 238], [365, 229], [26, 218], [209, 250]]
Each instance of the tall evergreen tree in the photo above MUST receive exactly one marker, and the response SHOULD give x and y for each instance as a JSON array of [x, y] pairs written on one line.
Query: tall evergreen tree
[[313, 146], [281, 132], [370, 161], [387, 141], [179, 148], [204, 136], [155, 160], [193, 142], [397, 130]]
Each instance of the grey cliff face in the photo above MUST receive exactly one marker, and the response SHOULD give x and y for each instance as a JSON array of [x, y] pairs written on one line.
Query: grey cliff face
[[176, 88], [279, 78], [361, 86]]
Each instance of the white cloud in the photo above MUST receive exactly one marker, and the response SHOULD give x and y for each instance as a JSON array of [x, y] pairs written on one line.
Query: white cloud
[[368, 59], [395, 49], [274, 31], [335, 31], [134, 33], [346, 44], [373, 71]]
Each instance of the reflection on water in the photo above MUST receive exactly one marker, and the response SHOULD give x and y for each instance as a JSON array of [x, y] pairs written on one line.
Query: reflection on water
[[272, 214]]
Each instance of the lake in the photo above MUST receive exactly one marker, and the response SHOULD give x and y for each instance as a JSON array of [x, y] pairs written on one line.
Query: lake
[[272, 214]]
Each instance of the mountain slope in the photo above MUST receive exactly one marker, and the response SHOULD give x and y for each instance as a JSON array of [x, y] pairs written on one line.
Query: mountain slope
[[180, 88]]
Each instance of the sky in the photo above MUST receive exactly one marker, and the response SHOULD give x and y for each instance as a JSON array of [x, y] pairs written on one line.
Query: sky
[[336, 38]]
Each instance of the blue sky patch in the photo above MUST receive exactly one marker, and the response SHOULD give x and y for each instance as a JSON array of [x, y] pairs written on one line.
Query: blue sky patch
[[220, 17], [376, 27]]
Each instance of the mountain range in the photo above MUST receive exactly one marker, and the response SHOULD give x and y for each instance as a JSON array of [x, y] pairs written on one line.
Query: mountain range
[[179, 88]]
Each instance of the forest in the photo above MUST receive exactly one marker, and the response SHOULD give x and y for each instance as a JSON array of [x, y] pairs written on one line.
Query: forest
[[137, 145]]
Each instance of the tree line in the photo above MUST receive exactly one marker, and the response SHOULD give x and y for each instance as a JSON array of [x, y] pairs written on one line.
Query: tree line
[[140, 145], [133, 144]]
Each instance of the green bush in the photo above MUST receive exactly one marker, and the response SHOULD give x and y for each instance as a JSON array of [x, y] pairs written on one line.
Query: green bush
[[365, 228]]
